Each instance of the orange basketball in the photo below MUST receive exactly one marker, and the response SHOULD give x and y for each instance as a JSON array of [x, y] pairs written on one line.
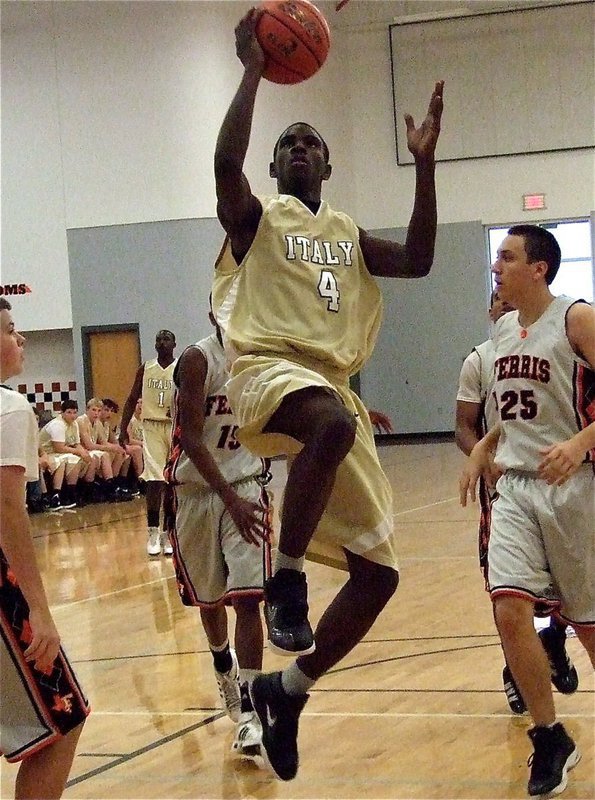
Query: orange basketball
[[295, 38]]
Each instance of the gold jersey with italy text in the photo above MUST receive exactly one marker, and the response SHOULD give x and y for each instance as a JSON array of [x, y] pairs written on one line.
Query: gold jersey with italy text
[[157, 390], [302, 290]]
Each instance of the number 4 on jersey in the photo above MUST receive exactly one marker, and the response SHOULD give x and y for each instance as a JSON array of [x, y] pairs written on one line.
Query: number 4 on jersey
[[327, 288]]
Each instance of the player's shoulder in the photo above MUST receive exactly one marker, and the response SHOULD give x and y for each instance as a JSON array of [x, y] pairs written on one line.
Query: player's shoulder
[[581, 311], [507, 322], [483, 350], [12, 401]]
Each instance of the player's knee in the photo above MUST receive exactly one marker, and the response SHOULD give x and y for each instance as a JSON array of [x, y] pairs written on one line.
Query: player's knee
[[246, 606], [512, 614], [378, 584], [336, 434], [388, 583]]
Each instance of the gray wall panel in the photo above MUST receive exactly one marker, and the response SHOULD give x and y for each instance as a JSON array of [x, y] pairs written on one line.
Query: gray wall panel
[[430, 325], [157, 274]]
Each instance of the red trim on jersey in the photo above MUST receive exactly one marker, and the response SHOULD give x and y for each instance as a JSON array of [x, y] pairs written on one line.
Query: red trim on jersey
[[583, 389], [544, 605]]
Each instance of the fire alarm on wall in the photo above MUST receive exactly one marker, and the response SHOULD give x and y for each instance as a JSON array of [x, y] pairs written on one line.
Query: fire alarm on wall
[[533, 202]]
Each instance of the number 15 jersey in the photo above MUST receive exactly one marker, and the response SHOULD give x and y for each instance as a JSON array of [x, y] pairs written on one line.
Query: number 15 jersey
[[544, 391], [235, 462]]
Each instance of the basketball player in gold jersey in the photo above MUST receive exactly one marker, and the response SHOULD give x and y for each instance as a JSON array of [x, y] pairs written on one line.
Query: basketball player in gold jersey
[[154, 384], [295, 295]]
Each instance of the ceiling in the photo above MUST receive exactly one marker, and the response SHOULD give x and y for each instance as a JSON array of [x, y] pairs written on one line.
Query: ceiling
[[355, 14]]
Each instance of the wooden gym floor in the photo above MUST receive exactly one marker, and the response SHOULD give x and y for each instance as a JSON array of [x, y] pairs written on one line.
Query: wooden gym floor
[[415, 711]]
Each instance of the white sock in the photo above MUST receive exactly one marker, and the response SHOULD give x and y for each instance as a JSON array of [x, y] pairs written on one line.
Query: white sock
[[294, 681], [287, 562], [248, 675]]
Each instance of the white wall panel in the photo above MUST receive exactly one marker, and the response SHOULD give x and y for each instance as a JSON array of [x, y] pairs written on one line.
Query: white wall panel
[[520, 81], [34, 249]]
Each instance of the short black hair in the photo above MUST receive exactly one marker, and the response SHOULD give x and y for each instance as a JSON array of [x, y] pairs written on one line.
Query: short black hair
[[111, 404], [325, 149], [540, 245], [165, 330], [4, 304], [66, 404]]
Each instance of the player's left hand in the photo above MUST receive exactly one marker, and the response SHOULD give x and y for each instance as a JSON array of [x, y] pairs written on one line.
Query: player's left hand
[[249, 517], [422, 141], [560, 462], [45, 640]]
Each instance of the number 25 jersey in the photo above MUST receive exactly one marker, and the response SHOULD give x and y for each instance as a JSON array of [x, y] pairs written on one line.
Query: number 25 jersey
[[544, 391]]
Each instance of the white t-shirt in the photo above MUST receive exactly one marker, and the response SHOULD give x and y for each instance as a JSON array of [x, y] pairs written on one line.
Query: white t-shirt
[[18, 433], [58, 431]]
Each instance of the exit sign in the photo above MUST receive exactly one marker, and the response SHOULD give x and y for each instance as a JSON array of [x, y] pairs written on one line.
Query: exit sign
[[533, 202]]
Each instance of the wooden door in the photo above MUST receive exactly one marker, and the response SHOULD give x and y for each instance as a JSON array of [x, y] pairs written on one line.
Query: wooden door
[[114, 357]]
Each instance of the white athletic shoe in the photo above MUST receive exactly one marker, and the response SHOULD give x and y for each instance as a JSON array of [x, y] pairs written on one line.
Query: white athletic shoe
[[166, 544], [248, 738], [229, 689], [154, 542]]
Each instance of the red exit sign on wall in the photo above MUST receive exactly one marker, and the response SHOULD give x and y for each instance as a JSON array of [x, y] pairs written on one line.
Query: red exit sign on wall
[[533, 202]]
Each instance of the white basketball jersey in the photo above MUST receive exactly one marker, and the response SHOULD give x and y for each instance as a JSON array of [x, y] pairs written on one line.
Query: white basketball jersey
[[234, 461], [475, 383], [544, 391]]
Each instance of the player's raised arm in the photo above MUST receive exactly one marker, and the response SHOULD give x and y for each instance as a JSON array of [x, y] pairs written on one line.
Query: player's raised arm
[[130, 404], [238, 209], [413, 259]]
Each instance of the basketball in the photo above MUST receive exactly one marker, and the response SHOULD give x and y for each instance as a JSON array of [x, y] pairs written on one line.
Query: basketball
[[295, 38]]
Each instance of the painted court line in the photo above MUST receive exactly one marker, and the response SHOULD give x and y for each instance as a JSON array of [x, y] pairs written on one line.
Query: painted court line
[[111, 594], [421, 508], [334, 714]]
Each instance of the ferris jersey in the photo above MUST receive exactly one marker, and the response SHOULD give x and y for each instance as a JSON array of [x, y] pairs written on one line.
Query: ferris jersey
[[302, 290], [157, 390], [476, 383], [545, 392], [235, 462]]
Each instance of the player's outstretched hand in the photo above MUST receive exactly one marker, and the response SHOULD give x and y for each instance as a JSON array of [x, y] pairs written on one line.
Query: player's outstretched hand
[[45, 640], [560, 462], [422, 141]]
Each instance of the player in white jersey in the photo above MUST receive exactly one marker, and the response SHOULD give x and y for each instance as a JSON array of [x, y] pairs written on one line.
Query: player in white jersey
[[296, 297], [43, 708], [154, 384], [542, 543], [476, 413], [221, 535]]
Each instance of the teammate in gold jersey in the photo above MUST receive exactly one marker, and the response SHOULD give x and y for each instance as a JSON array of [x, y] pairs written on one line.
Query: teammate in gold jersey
[[154, 384], [294, 293]]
